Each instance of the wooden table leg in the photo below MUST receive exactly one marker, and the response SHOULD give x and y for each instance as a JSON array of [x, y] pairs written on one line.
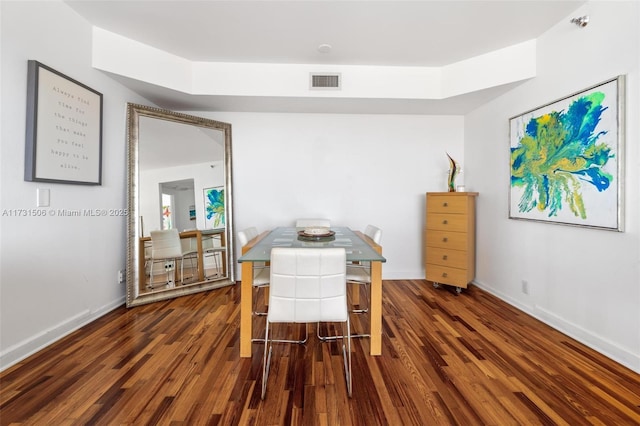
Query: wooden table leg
[[376, 308], [246, 291], [200, 257]]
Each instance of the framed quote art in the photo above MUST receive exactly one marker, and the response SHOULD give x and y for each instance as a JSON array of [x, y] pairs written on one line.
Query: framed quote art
[[567, 159], [64, 129]]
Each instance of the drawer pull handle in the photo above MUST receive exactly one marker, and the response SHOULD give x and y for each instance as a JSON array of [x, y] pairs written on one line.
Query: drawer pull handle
[[444, 274], [444, 257], [445, 205], [444, 222], [445, 239]]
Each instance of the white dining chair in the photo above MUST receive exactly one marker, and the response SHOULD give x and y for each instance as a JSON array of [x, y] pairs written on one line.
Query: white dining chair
[[359, 274], [190, 250], [147, 257], [165, 247], [307, 285], [247, 235], [308, 223], [261, 279], [260, 270], [213, 248]]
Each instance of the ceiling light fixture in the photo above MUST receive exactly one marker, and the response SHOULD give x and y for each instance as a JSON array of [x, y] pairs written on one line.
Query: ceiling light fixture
[[324, 48], [581, 21]]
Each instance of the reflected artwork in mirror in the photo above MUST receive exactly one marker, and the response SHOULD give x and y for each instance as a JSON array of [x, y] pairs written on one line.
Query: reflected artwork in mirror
[[173, 246]]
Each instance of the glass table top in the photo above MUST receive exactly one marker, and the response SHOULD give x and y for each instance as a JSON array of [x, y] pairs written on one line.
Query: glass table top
[[357, 249]]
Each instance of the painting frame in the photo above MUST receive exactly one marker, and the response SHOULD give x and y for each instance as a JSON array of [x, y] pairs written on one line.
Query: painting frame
[[567, 159], [63, 129], [214, 207]]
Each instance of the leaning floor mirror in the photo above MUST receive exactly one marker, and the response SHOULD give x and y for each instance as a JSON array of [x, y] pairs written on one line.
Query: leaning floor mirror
[[180, 222]]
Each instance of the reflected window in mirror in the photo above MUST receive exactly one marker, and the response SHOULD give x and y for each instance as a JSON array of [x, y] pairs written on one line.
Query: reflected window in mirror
[[166, 210]]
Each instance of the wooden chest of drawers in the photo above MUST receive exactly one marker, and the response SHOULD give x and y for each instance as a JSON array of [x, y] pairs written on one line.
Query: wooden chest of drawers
[[449, 238]]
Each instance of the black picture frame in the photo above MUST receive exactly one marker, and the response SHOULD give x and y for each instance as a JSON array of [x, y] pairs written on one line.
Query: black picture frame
[[64, 129]]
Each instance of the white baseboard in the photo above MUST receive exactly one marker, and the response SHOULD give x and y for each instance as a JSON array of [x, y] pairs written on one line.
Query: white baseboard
[[598, 343], [402, 275], [28, 347]]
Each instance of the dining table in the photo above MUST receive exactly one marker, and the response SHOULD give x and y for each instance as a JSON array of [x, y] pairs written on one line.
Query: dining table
[[358, 247], [198, 235]]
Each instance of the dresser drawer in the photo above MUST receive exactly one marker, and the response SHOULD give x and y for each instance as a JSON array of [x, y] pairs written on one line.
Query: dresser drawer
[[447, 275], [446, 257], [446, 204], [447, 239], [447, 222]]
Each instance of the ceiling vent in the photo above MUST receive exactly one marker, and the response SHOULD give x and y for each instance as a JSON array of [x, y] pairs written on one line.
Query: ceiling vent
[[325, 81]]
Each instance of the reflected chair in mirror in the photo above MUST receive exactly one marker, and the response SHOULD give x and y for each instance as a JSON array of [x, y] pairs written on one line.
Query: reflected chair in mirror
[[359, 274], [307, 285], [308, 223], [190, 251], [212, 248], [147, 258], [167, 248]]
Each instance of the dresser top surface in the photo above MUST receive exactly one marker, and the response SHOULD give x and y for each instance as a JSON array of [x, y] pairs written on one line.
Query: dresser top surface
[[454, 194]]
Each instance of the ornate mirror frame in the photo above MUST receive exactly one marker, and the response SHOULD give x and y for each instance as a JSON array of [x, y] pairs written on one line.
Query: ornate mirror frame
[[134, 296]]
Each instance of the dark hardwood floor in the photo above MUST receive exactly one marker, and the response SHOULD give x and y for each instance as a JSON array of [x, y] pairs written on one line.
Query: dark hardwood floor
[[448, 359]]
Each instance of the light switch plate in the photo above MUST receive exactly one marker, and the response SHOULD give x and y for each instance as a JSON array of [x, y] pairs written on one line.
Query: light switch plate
[[42, 197]]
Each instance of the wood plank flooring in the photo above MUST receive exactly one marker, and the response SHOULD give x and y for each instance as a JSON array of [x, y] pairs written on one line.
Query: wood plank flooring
[[448, 359]]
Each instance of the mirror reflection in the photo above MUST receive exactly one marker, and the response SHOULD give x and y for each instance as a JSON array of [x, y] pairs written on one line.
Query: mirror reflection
[[179, 203]]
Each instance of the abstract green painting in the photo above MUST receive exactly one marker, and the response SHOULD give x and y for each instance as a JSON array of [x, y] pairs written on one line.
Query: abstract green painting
[[214, 207], [567, 157]]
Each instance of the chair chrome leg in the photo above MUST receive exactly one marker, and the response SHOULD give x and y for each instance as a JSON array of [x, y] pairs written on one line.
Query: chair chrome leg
[[266, 363], [347, 358], [365, 310], [215, 260], [217, 267], [191, 259], [332, 338], [355, 311], [299, 342], [255, 301]]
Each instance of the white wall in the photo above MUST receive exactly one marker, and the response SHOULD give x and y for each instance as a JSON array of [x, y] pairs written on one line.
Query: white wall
[[352, 169], [584, 282], [56, 273]]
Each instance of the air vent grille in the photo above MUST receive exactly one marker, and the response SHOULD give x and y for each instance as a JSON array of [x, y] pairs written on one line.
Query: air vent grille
[[325, 81]]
